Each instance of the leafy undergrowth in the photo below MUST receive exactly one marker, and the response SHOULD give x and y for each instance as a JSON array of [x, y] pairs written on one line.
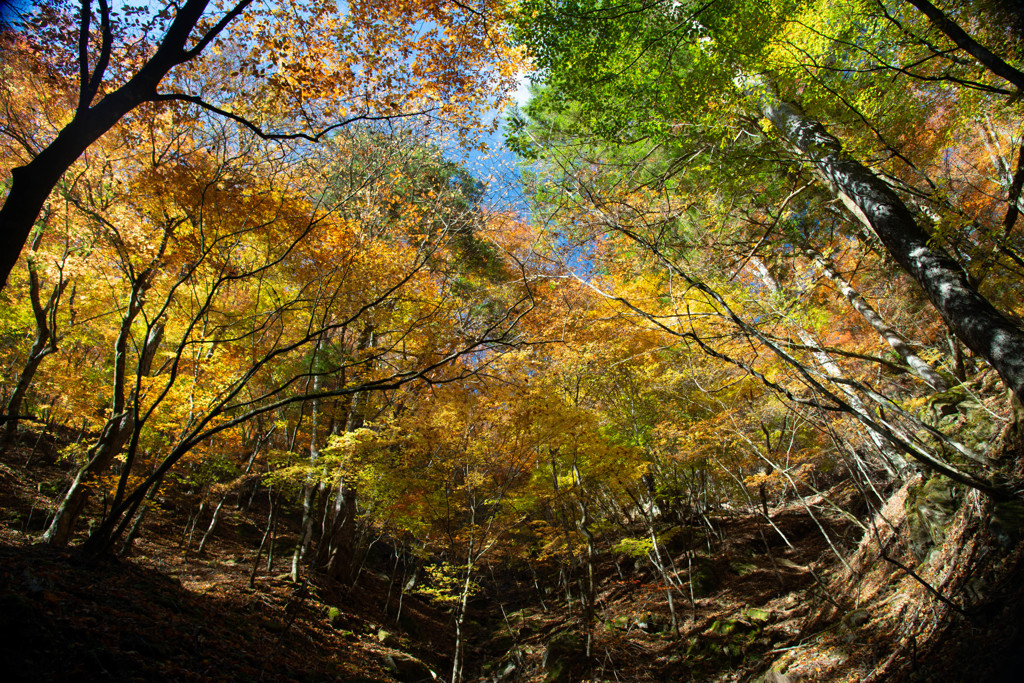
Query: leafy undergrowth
[[771, 596]]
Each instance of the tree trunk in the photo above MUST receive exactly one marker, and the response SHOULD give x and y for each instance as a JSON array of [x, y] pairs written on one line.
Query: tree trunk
[[115, 434], [267, 534], [337, 550], [311, 490], [44, 344], [32, 183], [111, 441], [136, 527], [340, 544], [260, 440], [891, 336], [984, 56], [40, 350], [890, 461], [971, 316], [589, 588]]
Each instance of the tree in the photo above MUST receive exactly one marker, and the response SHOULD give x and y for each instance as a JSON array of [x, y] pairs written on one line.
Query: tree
[[370, 64], [242, 286], [971, 316], [47, 332], [647, 74]]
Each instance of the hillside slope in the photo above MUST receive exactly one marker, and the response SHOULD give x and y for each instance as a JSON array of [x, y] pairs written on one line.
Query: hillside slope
[[803, 595]]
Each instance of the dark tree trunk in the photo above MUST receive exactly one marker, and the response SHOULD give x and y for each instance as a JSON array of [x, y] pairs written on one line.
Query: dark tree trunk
[[44, 344], [32, 183], [984, 56]]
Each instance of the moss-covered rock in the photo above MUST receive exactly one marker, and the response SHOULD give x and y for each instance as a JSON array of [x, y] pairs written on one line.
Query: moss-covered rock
[[565, 653], [1006, 522], [757, 615], [704, 577], [652, 622], [930, 508], [407, 668], [959, 413], [946, 403], [620, 623]]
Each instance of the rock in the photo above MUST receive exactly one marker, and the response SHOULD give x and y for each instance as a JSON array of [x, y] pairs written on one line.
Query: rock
[[929, 512], [758, 615], [652, 623], [946, 403], [857, 618], [725, 627], [408, 669], [564, 651], [507, 672], [776, 677], [505, 669], [620, 623]]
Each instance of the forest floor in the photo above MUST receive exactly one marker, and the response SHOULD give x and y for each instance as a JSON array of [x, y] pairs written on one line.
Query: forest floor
[[772, 601]]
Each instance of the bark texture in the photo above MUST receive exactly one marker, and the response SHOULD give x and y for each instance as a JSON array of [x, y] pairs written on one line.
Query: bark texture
[[973, 319]]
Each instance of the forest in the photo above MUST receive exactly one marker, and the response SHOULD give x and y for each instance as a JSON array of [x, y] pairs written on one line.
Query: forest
[[327, 355]]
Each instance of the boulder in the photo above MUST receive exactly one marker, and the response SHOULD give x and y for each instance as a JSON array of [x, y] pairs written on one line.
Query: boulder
[[653, 623], [565, 651], [408, 669], [930, 509]]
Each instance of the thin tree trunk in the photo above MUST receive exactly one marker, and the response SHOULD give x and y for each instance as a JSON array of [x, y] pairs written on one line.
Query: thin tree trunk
[[311, 489], [885, 331], [659, 564], [890, 460], [460, 619], [133, 533], [271, 519], [44, 344], [190, 525], [337, 550], [260, 440], [589, 590]]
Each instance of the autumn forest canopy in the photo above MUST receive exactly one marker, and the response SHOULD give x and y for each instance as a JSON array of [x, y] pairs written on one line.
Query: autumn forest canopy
[[753, 257]]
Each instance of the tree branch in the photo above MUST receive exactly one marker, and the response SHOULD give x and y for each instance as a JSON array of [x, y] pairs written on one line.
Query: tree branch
[[261, 133], [985, 56]]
